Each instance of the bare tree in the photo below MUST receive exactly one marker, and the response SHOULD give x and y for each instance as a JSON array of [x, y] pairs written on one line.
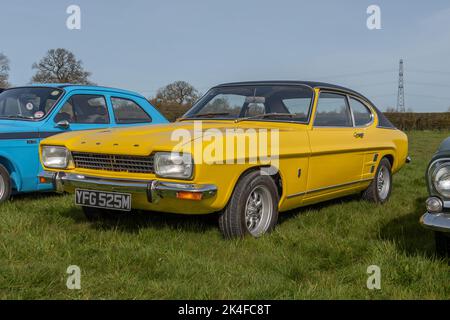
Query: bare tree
[[179, 92], [390, 109], [60, 66], [448, 110], [4, 71]]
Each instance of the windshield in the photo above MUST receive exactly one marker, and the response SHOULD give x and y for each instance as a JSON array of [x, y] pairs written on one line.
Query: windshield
[[291, 103], [28, 103]]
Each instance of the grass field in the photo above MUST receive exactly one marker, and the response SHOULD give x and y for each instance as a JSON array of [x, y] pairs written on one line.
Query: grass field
[[319, 252]]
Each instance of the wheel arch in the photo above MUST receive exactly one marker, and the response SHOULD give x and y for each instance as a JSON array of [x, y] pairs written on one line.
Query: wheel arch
[[390, 157], [277, 178], [13, 171]]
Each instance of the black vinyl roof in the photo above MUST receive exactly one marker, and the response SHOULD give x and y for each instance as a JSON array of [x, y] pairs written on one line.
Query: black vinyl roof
[[383, 121], [311, 84]]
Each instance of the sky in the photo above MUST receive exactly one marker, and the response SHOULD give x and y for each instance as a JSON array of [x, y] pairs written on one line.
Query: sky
[[143, 45]]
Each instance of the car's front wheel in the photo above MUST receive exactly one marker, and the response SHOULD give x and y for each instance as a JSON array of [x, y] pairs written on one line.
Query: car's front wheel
[[442, 244], [380, 188], [252, 209], [5, 184]]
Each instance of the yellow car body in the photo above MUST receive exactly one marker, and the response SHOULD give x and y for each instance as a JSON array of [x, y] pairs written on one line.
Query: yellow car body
[[315, 163]]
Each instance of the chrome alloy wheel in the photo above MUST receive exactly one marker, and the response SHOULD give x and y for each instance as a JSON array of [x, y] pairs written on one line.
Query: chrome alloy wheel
[[2, 187], [258, 211], [383, 183]]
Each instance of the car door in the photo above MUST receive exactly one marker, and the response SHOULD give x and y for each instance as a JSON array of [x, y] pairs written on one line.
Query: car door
[[363, 118], [336, 158], [82, 111]]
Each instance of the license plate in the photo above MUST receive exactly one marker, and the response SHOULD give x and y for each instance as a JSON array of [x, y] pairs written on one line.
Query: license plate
[[105, 200]]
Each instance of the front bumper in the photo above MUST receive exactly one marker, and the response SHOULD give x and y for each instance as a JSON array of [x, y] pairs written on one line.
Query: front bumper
[[151, 194], [436, 221]]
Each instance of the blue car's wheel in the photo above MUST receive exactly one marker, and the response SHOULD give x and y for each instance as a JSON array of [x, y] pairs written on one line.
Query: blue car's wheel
[[5, 184]]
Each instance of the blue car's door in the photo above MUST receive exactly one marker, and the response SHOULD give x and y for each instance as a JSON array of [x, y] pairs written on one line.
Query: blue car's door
[[80, 110]]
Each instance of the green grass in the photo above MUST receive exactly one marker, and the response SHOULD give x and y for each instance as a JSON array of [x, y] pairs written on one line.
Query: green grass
[[319, 252]]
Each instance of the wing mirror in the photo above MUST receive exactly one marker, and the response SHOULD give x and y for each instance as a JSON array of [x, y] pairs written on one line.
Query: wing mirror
[[63, 124]]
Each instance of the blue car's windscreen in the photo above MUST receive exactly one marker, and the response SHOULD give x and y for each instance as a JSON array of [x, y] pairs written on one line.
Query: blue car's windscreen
[[28, 103]]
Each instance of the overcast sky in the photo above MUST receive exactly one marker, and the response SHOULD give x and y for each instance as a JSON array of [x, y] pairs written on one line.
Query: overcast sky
[[143, 45]]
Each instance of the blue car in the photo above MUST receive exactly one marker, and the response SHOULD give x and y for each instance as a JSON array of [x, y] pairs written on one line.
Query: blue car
[[30, 114]]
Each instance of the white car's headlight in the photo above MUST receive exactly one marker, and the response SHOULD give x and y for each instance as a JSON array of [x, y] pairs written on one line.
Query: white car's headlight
[[441, 180], [173, 165], [56, 157]]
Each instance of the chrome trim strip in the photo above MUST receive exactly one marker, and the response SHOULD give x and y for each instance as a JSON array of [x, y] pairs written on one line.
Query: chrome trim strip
[[326, 188], [295, 195]]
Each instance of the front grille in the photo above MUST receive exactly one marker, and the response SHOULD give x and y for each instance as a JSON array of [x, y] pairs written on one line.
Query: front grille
[[113, 162]]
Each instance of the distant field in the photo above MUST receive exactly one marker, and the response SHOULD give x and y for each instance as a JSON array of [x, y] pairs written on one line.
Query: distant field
[[318, 252]]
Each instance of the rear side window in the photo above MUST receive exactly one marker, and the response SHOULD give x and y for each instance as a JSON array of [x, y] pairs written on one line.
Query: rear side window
[[332, 111], [361, 113], [383, 122], [129, 112], [84, 109]]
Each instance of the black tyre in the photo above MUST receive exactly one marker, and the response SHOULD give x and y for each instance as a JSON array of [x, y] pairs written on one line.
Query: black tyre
[[380, 188], [5, 184], [442, 244], [252, 209]]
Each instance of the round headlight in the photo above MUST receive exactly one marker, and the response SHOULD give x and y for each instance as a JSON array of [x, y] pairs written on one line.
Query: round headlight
[[441, 180]]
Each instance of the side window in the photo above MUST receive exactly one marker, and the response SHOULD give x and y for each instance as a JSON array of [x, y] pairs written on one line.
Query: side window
[[84, 109], [361, 113], [298, 106], [332, 111], [66, 112], [127, 111]]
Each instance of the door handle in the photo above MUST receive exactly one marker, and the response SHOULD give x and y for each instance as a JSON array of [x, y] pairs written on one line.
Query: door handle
[[359, 135]]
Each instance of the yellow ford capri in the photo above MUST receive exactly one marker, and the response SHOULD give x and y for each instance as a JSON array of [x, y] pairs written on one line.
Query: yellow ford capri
[[245, 151]]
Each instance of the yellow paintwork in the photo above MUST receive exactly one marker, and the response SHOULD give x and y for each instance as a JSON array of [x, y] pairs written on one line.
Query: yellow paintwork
[[332, 161]]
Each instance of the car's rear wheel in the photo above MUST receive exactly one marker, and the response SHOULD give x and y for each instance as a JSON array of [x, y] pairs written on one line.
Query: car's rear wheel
[[5, 184], [442, 244], [380, 188], [252, 209]]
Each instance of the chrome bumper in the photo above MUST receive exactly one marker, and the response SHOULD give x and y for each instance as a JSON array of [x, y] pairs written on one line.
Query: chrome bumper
[[153, 189], [436, 221]]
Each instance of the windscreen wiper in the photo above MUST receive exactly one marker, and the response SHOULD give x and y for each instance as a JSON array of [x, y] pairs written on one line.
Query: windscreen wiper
[[206, 115], [266, 115]]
